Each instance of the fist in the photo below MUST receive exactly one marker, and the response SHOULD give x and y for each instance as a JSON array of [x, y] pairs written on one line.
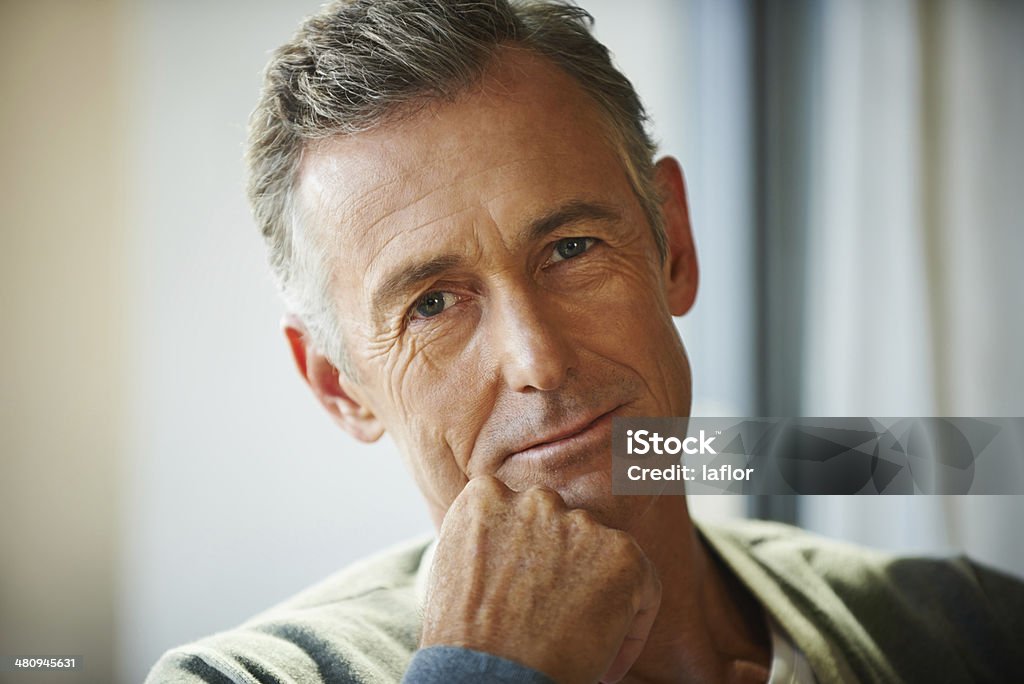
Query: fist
[[521, 576]]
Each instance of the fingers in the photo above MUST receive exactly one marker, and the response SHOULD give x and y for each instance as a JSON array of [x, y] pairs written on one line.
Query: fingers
[[646, 602], [520, 575], [636, 637]]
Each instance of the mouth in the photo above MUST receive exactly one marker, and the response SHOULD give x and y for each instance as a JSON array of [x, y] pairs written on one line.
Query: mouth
[[569, 441]]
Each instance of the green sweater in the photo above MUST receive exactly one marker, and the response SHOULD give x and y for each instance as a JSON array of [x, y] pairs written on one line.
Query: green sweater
[[857, 615]]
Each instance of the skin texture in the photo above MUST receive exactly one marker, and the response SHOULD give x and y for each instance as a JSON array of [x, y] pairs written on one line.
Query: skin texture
[[502, 299]]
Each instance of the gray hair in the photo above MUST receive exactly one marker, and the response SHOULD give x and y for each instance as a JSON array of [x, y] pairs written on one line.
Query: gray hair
[[358, 64]]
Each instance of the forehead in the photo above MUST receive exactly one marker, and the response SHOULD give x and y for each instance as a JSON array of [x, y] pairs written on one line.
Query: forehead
[[522, 141]]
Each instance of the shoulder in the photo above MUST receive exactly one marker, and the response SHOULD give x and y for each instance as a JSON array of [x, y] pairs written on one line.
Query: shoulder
[[858, 572], [946, 615], [358, 625]]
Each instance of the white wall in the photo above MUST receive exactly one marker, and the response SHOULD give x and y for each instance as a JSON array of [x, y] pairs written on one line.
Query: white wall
[[61, 388]]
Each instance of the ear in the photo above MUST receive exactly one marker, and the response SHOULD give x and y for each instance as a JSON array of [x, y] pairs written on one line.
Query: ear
[[323, 378], [680, 269]]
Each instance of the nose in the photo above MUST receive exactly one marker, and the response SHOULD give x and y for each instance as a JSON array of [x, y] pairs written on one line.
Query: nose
[[534, 348]]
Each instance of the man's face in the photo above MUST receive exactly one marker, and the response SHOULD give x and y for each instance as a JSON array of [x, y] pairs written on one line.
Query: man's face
[[499, 287]]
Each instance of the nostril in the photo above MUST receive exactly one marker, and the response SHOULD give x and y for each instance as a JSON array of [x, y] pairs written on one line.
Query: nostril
[[540, 361]]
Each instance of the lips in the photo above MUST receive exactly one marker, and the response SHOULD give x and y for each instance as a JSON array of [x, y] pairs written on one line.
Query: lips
[[563, 435], [529, 436]]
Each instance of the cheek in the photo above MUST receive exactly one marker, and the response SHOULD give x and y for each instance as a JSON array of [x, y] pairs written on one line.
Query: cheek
[[622, 302], [438, 478], [439, 394], [425, 372], [423, 415]]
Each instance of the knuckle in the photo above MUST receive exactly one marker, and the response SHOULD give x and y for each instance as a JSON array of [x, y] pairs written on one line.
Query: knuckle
[[582, 520], [481, 496], [544, 496], [484, 486], [581, 516], [621, 540], [625, 547]]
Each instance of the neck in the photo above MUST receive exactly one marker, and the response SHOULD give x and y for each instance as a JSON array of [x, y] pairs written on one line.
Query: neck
[[709, 627]]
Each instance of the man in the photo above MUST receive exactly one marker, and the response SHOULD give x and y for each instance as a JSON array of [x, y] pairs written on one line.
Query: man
[[481, 257]]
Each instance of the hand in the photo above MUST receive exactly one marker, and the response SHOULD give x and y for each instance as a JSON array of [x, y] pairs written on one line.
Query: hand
[[521, 576]]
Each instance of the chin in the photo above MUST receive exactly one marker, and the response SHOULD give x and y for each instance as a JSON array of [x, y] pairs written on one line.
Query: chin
[[593, 493], [583, 481]]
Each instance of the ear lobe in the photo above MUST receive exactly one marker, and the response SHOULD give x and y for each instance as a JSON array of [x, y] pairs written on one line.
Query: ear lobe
[[323, 378], [680, 272]]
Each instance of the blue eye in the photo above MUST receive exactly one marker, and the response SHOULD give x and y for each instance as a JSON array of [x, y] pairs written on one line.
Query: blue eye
[[568, 248], [432, 303]]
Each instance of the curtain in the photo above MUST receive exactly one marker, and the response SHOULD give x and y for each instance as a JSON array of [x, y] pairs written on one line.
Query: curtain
[[912, 199]]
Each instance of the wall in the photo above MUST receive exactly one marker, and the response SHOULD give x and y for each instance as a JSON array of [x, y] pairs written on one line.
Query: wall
[[62, 302]]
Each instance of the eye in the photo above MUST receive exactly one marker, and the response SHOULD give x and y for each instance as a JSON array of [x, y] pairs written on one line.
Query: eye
[[431, 304], [568, 248]]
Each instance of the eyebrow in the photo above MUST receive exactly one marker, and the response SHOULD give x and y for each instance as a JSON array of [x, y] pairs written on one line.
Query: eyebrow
[[572, 212], [406, 278]]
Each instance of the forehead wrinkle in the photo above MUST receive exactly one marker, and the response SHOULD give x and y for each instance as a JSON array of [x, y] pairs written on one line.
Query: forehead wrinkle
[[368, 198], [328, 157], [385, 242]]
